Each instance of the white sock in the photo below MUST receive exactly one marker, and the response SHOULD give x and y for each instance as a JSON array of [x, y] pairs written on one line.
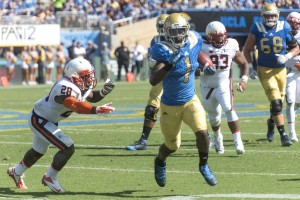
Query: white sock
[[236, 136], [291, 127], [217, 133], [20, 168], [52, 173]]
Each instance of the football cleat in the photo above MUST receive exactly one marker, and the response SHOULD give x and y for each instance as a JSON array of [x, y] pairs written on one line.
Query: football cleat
[[208, 175], [52, 184], [138, 145], [219, 144], [285, 141], [160, 173], [270, 133], [239, 147], [293, 137], [19, 180]]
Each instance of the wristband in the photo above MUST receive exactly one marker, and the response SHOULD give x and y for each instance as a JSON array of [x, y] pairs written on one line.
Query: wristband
[[244, 78], [101, 93], [289, 55]]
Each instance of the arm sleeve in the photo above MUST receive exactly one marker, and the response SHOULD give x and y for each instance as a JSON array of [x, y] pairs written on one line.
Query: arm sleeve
[[79, 107]]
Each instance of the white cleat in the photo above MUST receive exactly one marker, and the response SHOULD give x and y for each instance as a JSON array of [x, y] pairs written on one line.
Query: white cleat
[[19, 180], [293, 137], [52, 184], [239, 147], [219, 144]]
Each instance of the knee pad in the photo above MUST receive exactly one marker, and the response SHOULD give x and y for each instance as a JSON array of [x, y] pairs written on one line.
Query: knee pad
[[276, 107], [214, 122], [61, 158], [231, 116], [151, 113], [68, 152]]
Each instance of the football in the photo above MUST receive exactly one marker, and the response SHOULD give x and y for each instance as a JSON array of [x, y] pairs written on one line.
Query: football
[[297, 65], [204, 60]]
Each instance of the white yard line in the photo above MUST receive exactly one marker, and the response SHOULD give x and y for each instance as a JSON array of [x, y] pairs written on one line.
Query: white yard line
[[151, 171], [237, 195]]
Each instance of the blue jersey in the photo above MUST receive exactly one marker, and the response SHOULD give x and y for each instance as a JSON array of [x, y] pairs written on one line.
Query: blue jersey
[[270, 42], [179, 85]]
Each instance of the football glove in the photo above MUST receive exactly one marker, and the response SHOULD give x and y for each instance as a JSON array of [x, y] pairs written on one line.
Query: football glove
[[105, 109], [208, 71], [281, 59], [253, 74], [107, 88]]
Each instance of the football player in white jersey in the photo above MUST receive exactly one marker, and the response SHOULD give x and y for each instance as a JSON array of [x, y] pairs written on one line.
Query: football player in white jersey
[[216, 90], [66, 96], [293, 79]]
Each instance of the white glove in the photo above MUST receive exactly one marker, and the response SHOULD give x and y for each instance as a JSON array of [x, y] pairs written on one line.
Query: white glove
[[281, 59], [107, 88], [105, 109]]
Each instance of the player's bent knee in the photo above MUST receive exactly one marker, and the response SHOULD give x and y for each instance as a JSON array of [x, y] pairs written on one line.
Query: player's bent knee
[[31, 157], [172, 146], [68, 152], [276, 107], [231, 116], [214, 122], [151, 113]]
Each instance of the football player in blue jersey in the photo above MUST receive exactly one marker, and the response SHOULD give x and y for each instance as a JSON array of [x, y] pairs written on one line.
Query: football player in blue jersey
[[176, 62], [272, 37], [152, 107]]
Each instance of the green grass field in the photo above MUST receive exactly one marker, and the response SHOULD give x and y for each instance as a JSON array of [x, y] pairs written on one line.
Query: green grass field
[[102, 169]]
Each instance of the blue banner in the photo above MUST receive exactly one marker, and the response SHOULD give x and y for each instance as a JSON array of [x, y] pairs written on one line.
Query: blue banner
[[80, 36]]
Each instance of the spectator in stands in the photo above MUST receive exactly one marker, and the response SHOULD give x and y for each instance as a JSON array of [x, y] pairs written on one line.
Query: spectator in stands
[[105, 60], [58, 5], [122, 55], [90, 52], [71, 50], [79, 50], [138, 59], [11, 59]]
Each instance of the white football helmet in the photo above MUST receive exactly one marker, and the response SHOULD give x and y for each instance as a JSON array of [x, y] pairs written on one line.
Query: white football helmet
[[216, 34], [81, 73], [270, 14], [294, 20]]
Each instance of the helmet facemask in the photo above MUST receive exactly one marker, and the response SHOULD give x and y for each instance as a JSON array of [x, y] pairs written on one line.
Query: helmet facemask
[[270, 20], [86, 79], [217, 39], [177, 35]]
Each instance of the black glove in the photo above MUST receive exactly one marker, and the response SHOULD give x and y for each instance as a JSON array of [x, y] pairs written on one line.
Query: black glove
[[107, 88]]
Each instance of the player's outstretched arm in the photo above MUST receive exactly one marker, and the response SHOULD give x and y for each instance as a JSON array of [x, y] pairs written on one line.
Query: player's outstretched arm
[[81, 107]]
